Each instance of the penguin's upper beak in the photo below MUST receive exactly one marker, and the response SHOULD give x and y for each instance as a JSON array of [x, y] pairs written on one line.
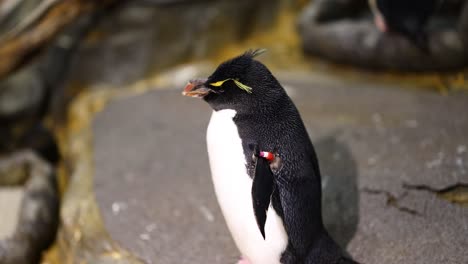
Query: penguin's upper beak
[[379, 19], [196, 88], [380, 23]]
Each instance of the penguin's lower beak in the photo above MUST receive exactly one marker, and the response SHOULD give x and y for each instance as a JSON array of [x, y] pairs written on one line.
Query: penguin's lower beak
[[196, 88]]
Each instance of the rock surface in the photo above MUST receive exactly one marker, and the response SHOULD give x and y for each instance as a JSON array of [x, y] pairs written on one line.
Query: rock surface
[[37, 216], [343, 31], [154, 37], [386, 156], [10, 200], [36, 90]]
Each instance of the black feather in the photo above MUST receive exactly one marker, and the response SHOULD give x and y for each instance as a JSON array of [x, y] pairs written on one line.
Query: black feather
[[262, 188], [409, 18]]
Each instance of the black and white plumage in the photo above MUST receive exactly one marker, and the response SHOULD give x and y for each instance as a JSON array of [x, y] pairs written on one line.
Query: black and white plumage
[[252, 113], [408, 18]]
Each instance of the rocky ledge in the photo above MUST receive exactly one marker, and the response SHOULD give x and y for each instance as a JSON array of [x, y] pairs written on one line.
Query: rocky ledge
[[394, 165]]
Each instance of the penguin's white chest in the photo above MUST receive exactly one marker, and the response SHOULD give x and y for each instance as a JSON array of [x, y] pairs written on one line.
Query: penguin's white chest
[[233, 189]]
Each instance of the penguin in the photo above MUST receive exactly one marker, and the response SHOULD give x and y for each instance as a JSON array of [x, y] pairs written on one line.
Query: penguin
[[264, 168], [407, 18]]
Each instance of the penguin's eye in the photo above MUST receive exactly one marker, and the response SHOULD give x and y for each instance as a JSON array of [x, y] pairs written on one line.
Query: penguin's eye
[[238, 84]]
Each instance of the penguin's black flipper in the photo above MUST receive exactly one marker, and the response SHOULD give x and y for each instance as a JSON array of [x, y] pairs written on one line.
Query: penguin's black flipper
[[262, 188]]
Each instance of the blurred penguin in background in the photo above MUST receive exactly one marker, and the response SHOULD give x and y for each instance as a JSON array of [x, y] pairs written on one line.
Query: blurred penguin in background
[[408, 18]]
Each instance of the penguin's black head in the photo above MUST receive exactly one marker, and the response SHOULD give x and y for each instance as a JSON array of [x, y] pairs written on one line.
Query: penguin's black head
[[242, 84]]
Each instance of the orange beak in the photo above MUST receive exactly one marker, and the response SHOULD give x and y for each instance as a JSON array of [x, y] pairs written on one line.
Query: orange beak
[[196, 88]]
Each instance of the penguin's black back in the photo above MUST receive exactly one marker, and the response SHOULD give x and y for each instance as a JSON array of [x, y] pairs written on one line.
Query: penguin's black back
[[282, 131]]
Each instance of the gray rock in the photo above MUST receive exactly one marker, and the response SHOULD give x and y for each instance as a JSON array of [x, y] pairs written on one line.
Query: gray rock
[[22, 92], [13, 12], [37, 219], [329, 10], [29, 94], [349, 36], [154, 37], [463, 24], [10, 200], [152, 180]]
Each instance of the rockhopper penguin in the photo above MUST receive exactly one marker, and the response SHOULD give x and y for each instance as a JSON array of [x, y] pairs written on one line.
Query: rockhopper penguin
[[408, 18], [264, 167]]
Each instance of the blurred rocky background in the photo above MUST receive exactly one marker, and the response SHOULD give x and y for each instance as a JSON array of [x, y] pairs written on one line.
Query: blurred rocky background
[[62, 61], [343, 31]]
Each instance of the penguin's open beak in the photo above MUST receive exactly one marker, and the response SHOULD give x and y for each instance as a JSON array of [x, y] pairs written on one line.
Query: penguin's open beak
[[196, 88]]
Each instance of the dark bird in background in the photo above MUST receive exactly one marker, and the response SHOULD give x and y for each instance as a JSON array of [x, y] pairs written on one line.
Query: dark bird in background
[[264, 167], [406, 17]]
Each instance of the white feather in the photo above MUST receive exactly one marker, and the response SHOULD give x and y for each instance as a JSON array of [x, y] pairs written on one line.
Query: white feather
[[233, 189]]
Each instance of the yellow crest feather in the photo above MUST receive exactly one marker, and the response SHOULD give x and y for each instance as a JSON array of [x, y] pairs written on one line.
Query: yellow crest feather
[[242, 86], [255, 52]]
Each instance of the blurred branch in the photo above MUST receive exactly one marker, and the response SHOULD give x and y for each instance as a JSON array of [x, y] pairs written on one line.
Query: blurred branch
[[41, 29]]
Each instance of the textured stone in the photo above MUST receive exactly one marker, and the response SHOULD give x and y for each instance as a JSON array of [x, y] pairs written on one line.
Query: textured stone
[[32, 92], [375, 145], [37, 216], [20, 93], [10, 200], [154, 37]]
